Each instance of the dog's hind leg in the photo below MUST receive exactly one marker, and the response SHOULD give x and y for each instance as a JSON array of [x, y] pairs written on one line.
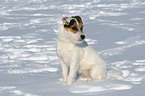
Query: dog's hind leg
[[97, 73], [85, 75]]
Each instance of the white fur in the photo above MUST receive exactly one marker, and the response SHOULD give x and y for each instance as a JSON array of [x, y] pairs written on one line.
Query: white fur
[[80, 57]]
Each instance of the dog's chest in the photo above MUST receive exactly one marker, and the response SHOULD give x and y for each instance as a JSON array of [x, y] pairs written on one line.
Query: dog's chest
[[65, 52]]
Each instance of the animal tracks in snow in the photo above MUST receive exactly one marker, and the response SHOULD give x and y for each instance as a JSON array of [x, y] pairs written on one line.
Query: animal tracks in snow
[[124, 45], [133, 74], [14, 91], [140, 63], [17, 50]]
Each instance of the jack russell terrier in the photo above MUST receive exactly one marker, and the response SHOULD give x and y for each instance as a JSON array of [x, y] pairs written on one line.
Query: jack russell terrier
[[74, 53]]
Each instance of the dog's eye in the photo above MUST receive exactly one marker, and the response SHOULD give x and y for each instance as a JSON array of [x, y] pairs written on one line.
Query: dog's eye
[[67, 26], [75, 28]]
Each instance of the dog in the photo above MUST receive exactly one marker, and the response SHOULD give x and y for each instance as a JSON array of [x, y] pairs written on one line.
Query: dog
[[76, 56]]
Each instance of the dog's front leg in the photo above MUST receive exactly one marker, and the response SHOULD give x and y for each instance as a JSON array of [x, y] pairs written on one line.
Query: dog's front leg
[[72, 73], [74, 66], [64, 71]]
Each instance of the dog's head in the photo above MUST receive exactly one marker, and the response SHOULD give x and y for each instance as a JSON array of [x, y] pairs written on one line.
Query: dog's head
[[74, 28]]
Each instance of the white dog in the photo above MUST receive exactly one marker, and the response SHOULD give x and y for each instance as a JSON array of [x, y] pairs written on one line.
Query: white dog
[[75, 53]]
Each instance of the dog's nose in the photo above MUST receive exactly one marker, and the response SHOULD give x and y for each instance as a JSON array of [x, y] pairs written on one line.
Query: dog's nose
[[82, 37]]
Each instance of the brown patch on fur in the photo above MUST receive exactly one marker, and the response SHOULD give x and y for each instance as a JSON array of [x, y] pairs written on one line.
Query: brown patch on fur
[[71, 30], [72, 25], [64, 20], [79, 19]]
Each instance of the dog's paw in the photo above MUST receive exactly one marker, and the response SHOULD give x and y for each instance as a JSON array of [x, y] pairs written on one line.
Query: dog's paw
[[85, 79], [62, 80], [69, 83]]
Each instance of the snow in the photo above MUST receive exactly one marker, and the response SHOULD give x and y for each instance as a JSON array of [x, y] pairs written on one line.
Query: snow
[[29, 65]]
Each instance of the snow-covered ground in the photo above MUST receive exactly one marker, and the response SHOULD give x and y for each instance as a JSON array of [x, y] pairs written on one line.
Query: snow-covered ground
[[28, 62]]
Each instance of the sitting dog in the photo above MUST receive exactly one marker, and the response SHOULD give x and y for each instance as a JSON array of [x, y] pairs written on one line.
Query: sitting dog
[[74, 53]]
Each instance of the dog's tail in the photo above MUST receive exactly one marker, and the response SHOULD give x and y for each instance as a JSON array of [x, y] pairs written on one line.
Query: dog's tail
[[113, 74]]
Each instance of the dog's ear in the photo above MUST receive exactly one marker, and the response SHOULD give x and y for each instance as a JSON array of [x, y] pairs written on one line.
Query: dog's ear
[[66, 20], [78, 19]]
